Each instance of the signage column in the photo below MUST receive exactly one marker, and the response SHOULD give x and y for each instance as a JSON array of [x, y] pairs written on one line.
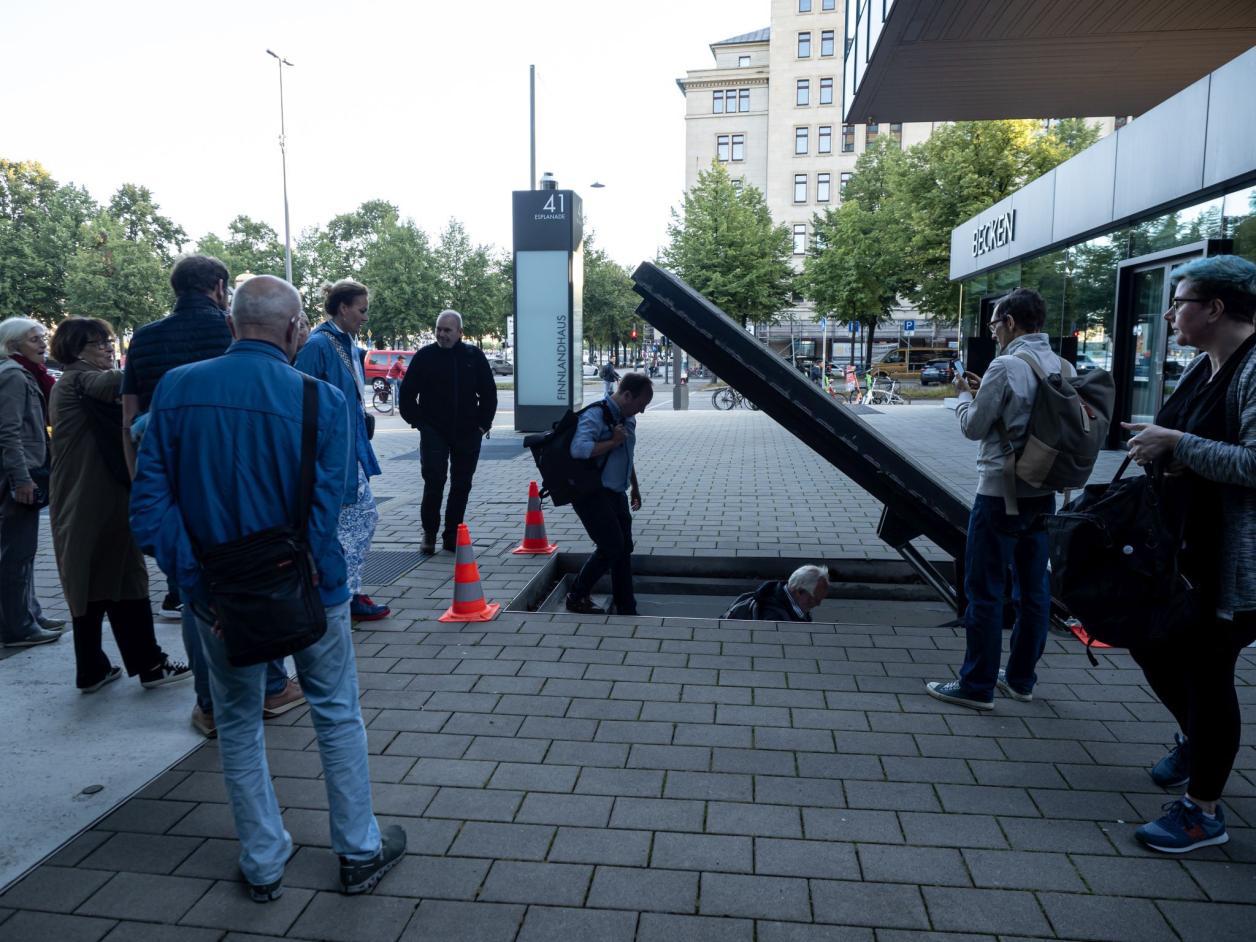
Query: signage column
[[549, 287]]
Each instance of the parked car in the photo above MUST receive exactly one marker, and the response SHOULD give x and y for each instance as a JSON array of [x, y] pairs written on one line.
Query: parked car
[[1085, 364], [501, 366], [378, 362], [937, 372]]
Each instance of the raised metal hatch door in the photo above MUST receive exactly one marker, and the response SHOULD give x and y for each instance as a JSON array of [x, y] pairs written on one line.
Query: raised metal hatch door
[[915, 504]]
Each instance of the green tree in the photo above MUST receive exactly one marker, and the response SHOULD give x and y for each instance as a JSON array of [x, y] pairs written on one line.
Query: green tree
[[962, 169], [471, 283], [251, 246], [141, 220], [121, 280], [405, 284], [724, 244], [610, 304], [40, 229]]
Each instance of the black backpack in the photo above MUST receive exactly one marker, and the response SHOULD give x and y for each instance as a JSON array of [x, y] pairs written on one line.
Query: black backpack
[[1114, 564], [564, 478]]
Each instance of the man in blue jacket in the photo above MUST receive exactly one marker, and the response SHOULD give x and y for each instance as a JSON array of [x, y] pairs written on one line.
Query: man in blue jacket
[[221, 460]]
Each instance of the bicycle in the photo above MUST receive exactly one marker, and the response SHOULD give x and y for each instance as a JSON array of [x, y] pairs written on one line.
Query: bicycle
[[885, 393], [381, 396], [729, 398]]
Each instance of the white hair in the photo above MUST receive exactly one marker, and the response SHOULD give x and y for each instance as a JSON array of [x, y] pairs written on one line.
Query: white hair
[[13, 330], [450, 312], [808, 578]]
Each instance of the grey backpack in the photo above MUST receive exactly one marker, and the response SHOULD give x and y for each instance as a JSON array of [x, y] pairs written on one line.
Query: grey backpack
[[1068, 424]]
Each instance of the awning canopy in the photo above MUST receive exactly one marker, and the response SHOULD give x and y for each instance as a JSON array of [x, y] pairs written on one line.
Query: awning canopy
[[959, 60]]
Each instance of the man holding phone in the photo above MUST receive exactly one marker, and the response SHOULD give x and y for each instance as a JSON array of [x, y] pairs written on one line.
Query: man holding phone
[[610, 433], [1005, 530]]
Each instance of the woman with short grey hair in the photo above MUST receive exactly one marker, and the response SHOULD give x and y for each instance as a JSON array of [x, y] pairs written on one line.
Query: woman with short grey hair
[[24, 482]]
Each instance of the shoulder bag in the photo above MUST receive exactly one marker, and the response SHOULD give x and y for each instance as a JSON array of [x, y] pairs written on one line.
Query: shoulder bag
[[263, 587]]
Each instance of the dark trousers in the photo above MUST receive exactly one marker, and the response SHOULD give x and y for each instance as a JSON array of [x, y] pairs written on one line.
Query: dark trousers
[[19, 536], [441, 460], [1195, 681], [131, 621], [608, 521], [999, 542]]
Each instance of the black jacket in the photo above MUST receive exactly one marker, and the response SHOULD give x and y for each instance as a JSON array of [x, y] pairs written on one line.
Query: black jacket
[[769, 602], [450, 391]]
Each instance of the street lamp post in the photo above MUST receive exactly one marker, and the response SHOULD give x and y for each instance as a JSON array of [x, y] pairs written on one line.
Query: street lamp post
[[283, 156]]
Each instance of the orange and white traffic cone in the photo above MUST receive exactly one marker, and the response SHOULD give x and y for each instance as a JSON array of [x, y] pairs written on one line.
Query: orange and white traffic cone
[[535, 542], [469, 604]]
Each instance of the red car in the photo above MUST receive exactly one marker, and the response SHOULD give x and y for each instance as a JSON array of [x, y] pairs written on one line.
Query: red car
[[378, 362]]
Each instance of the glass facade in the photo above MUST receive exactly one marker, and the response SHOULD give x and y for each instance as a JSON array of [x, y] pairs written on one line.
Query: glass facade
[[1079, 284]]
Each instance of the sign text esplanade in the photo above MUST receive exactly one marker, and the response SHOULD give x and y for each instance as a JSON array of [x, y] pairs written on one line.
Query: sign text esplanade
[[994, 234], [549, 284]]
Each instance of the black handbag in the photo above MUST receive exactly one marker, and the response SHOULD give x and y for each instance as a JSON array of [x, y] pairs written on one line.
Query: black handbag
[[263, 587], [1114, 564]]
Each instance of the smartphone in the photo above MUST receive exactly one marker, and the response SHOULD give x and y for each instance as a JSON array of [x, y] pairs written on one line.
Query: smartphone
[[959, 367]]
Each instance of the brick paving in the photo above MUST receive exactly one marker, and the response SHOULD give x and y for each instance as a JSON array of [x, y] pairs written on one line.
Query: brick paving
[[684, 779]]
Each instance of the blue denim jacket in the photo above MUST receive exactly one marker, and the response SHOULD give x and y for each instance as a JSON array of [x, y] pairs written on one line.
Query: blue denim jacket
[[593, 428], [221, 460], [320, 360]]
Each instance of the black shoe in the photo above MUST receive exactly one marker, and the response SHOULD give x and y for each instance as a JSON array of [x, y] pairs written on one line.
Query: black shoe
[[583, 606], [362, 877], [450, 543], [265, 892], [171, 607], [114, 674], [167, 672], [428, 546]]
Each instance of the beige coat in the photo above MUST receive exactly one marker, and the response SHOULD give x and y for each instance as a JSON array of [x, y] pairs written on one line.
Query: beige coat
[[97, 557]]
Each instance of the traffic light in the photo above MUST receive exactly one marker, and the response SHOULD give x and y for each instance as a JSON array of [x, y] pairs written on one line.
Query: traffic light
[[634, 333]]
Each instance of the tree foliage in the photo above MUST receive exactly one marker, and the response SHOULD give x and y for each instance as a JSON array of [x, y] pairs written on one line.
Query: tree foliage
[[40, 223], [141, 220], [471, 283], [724, 244], [609, 302], [116, 278]]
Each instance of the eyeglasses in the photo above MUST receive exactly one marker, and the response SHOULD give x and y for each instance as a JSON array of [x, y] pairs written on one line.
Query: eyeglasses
[[1176, 304], [100, 344], [996, 321]]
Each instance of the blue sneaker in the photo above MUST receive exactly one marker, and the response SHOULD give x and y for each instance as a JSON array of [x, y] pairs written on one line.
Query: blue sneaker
[[1183, 827], [1174, 770], [1009, 691], [952, 692]]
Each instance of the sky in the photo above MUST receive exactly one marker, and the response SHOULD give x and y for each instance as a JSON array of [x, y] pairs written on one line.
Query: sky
[[423, 104]]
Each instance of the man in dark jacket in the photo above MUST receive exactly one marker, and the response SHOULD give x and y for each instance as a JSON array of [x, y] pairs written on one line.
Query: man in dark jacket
[[791, 600], [449, 395]]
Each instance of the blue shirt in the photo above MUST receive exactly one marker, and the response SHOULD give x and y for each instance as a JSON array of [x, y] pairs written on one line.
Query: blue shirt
[[320, 360], [593, 428], [222, 458]]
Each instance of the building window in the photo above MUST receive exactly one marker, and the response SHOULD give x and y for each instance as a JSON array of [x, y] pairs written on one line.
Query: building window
[[803, 95], [824, 145], [743, 103], [804, 45], [841, 186], [828, 5], [739, 147], [826, 91], [896, 133], [826, 42], [848, 138], [801, 141], [721, 148], [874, 131], [800, 188], [800, 238], [717, 102], [822, 187], [743, 62], [804, 6]]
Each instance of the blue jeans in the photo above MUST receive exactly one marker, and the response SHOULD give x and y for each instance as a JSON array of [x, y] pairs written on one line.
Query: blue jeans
[[276, 676], [999, 544], [329, 677]]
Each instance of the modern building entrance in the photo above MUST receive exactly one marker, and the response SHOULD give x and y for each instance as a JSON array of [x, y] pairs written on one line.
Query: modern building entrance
[[1153, 361]]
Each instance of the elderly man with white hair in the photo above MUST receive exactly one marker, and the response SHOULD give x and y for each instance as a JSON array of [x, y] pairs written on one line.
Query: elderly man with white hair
[[791, 600], [449, 395]]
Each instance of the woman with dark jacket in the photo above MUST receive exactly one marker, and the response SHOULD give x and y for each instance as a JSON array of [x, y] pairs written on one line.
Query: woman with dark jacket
[[102, 569], [1204, 442], [23, 458]]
